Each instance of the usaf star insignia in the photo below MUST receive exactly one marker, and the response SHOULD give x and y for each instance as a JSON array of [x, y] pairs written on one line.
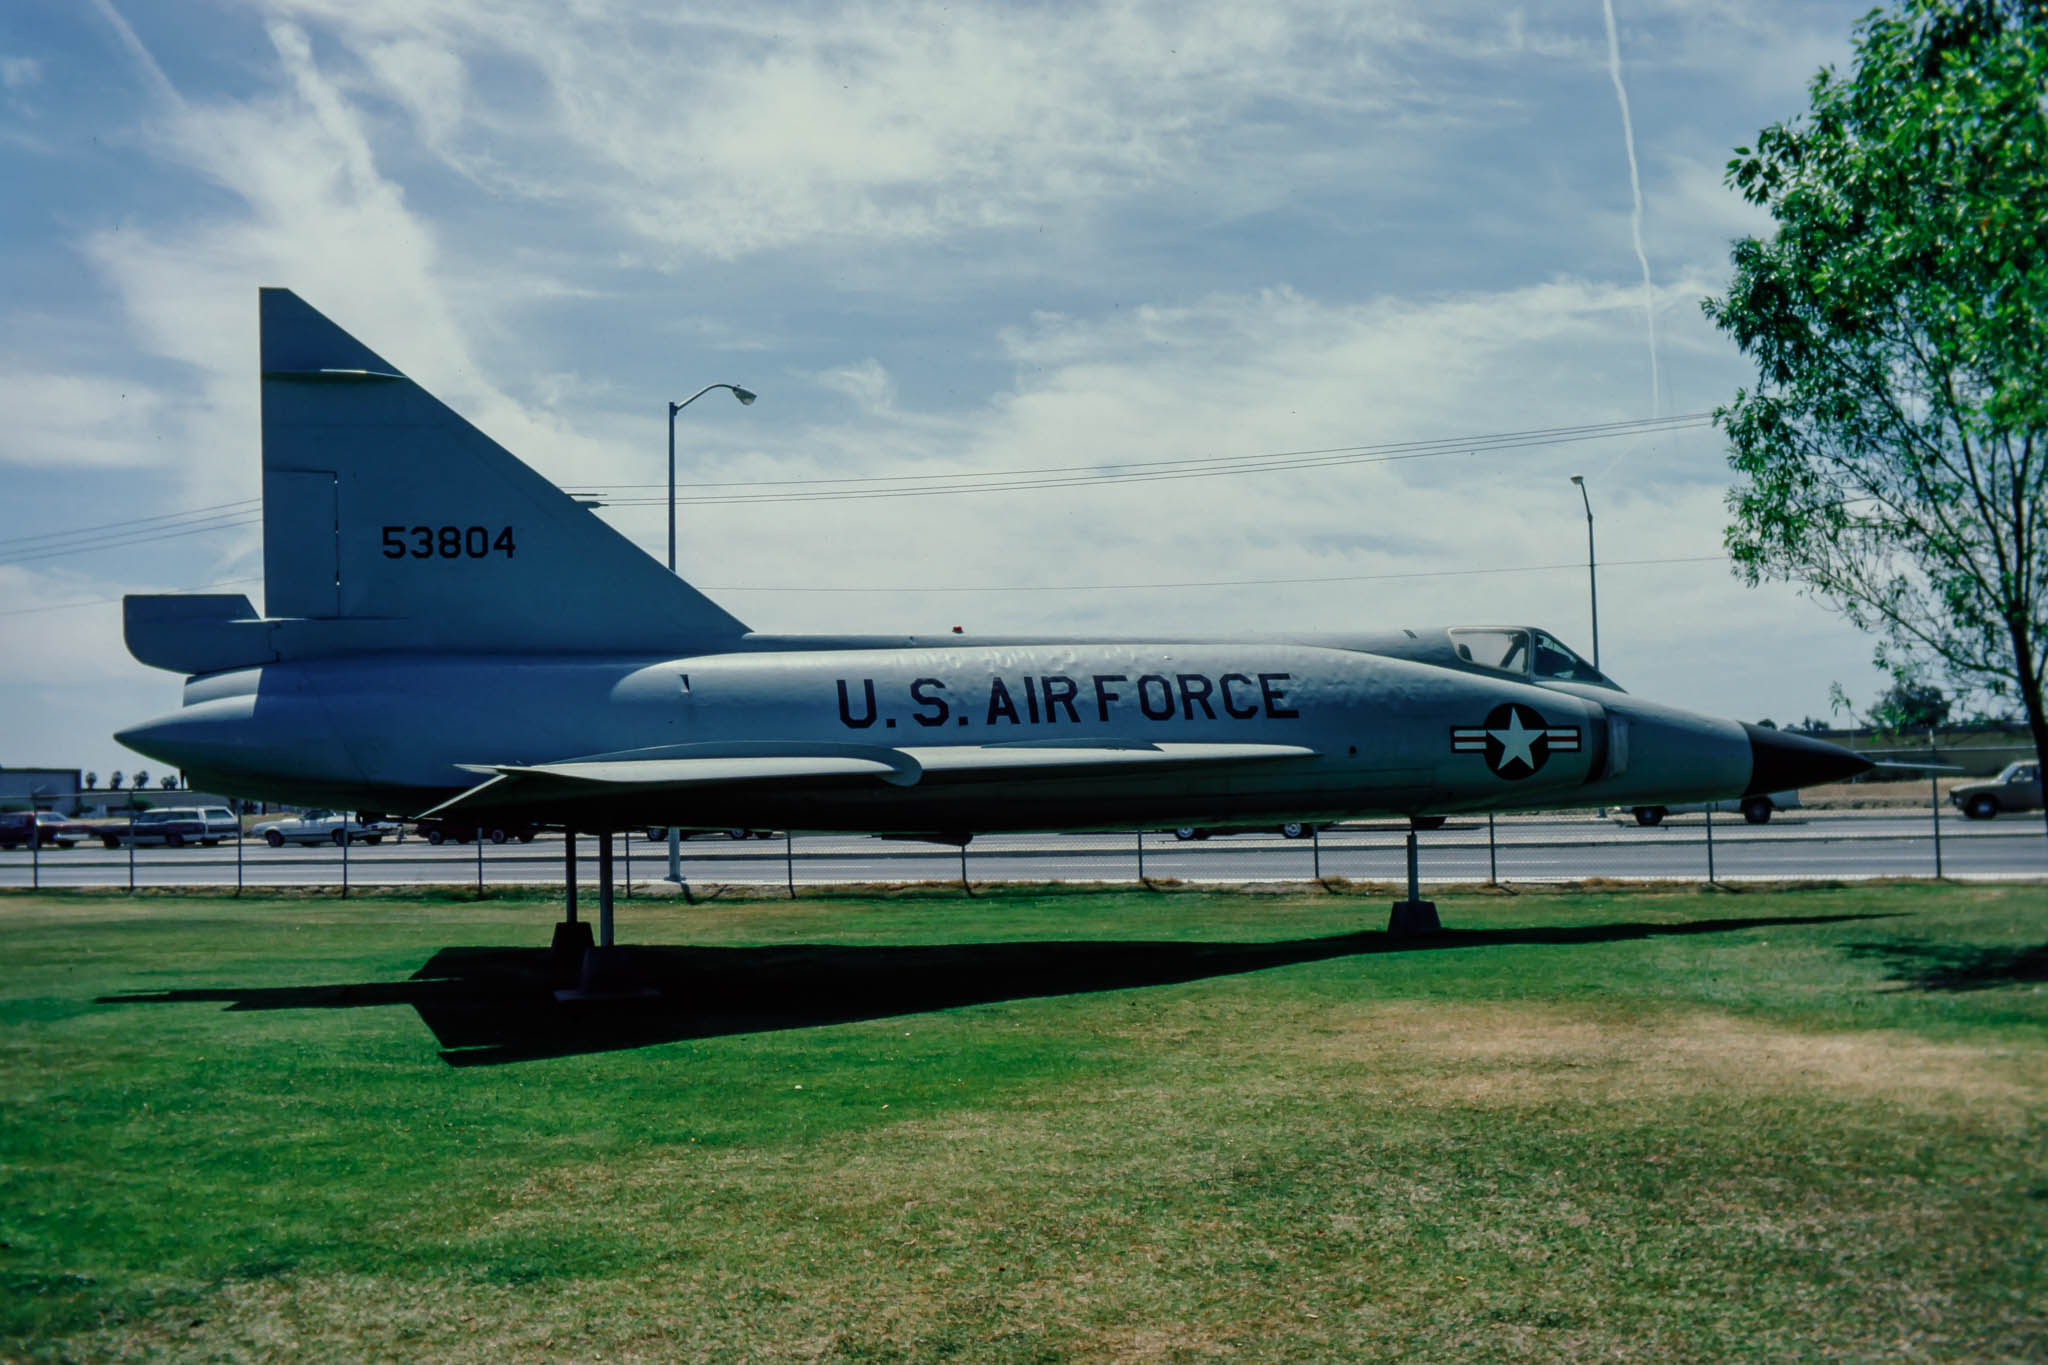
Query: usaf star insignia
[[1515, 739]]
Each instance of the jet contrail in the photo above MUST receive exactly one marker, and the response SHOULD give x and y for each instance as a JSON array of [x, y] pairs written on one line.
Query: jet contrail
[[1635, 184], [153, 74]]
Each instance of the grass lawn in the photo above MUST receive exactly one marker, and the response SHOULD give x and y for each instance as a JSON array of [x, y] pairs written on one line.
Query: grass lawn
[[1118, 1125]]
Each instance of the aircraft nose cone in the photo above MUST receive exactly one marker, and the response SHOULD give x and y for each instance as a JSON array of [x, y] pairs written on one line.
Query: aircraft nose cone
[[148, 738], [1779, 762]]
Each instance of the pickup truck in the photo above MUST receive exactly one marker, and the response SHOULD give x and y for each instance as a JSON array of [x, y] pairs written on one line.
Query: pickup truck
[[325, 827], [2017, 788]]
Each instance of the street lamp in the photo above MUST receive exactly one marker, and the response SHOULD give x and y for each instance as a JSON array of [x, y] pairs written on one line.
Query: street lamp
[[1592, 579], [746, 397]]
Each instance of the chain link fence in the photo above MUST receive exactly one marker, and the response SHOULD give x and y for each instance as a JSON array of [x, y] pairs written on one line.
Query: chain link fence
[[1705, 846]]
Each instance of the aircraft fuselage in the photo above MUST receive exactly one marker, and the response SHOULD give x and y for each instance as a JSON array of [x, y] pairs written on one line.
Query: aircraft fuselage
[[1355, 734]]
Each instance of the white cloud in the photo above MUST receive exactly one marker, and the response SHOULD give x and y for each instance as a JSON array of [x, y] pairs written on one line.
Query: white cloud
[[867, 384], [712, 132], [69, 682], [430, 81], [72, 421], [1290, 228]]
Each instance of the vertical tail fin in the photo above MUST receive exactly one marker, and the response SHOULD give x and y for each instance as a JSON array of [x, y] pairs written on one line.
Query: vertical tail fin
[[384, 510]]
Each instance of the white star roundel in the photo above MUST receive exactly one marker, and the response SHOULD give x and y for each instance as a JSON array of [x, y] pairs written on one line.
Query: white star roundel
[[1515, 739]]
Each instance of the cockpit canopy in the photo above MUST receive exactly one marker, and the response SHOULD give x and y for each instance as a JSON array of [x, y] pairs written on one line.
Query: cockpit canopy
[[1523, 652]]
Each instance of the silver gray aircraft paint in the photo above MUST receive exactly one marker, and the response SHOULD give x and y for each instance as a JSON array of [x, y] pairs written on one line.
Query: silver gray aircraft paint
[[446, 630]]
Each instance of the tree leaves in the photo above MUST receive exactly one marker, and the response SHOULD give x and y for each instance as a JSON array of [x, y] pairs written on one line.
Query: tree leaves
[[1893, 456]]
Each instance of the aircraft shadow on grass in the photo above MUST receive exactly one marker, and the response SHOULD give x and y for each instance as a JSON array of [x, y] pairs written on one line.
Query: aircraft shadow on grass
[[1956, 967], [492, 1005]]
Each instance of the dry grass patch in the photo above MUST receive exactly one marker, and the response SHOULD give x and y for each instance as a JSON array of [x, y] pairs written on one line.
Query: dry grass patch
[[1537, 1054]]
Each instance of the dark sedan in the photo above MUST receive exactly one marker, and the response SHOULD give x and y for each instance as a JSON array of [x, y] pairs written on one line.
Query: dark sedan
[[19, 828]]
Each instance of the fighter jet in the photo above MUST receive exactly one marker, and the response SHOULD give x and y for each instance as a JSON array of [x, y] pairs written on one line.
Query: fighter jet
[[444, 631]]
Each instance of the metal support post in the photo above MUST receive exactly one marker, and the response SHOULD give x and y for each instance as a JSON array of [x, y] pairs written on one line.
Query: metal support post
[[675, 855], [1141, 857], [1315, 837], [479, 865], [1710, 844], [604, 889], [240, 838], [131, 845], [1414, 915], [572, 937], [1934, 801], [607, 972], [789, 861], [35, 845], [1492, 858], [626, 840]]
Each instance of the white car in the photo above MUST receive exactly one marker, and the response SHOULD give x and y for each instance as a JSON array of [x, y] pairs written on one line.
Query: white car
[[1757, 810], [324, 827]]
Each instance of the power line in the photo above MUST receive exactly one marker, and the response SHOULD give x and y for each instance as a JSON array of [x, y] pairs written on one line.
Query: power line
[[1059, 587], [1685, 421], [1578, 565], [102, 601], [26, 549], [123, 541], [9, 542], [1218, 467]]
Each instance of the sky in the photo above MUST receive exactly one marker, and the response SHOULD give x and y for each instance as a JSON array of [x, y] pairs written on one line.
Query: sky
[[942, 242]]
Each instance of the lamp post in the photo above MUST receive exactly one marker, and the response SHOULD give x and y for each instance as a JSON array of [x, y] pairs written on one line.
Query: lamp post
[[1592, 578], [746, 397]]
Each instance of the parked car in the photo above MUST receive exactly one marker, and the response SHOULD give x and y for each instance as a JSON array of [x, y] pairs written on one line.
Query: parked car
[[437, 830], [174, 827], [2018, 788], [658, 834], [326, 827], [1757, 810], [1292, 829], [18, 829]]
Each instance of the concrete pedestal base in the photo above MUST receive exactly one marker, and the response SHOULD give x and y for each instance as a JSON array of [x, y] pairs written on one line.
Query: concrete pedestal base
[[1414, 917], [607, 975], [572, 941]]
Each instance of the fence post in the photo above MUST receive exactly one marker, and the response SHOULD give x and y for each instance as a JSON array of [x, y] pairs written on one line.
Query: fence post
[[1492, 860], [131, 845], [479, 864], [35, 844], [1934, 800], [1316, 841], [1141, 857], [346, 840], [789, 861], [1710, 843], [626, 840], [239, 836]]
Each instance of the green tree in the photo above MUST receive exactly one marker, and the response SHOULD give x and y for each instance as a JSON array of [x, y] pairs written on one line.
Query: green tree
[[1910, 705], [1893, 456]]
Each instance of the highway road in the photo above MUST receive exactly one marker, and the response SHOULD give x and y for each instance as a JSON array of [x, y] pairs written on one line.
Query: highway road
[[1523, 849]]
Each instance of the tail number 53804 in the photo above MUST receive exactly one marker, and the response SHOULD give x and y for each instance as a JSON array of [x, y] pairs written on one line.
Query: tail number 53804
[[446, 542]]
